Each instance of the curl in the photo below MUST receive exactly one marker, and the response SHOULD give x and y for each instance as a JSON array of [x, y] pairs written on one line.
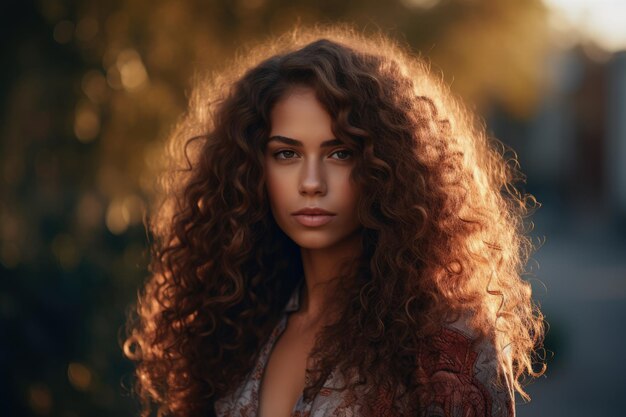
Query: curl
[[443, 234]]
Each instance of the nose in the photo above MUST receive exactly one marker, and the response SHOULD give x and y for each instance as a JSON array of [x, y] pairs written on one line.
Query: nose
[[312, 179]]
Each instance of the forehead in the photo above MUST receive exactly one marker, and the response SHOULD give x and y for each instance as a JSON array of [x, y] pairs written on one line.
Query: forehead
[[298, 114]]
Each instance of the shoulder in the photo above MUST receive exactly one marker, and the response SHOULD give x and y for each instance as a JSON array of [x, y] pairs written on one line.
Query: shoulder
[[458, 375]]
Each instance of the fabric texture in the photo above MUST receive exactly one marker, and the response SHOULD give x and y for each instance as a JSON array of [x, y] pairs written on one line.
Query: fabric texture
[[459, 381]]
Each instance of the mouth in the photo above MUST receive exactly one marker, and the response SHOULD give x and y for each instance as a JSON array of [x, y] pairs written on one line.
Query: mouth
[[313, 220], [313, 211]]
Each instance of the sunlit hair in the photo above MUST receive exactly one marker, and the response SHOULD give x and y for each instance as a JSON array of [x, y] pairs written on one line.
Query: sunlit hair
[[444, 227]]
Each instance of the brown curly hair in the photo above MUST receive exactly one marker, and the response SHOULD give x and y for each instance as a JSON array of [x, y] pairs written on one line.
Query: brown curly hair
[[443, 227]]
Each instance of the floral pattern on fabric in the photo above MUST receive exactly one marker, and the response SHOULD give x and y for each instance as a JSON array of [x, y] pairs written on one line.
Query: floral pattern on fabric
[[457, 381], [460, 381]]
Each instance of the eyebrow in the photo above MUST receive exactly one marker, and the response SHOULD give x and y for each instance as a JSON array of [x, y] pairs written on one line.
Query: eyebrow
[[293, 142]]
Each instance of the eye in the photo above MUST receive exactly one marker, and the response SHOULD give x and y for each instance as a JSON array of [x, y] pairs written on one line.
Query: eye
[[287, 154], [343, 154]]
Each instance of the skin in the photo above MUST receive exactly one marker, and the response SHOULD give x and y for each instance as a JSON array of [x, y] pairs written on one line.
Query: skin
[[308, 174]]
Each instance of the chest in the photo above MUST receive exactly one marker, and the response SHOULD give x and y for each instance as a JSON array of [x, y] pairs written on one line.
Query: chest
[[284, 377]]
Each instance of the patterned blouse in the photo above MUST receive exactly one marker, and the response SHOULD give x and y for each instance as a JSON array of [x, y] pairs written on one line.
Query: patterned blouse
[[460, 381]]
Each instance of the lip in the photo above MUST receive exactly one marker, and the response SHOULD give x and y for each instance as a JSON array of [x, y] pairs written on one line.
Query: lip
[[313, 211], [313, 220], [313, 216]]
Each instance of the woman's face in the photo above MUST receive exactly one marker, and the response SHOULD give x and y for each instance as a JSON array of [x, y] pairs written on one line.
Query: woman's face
[[307, 167]]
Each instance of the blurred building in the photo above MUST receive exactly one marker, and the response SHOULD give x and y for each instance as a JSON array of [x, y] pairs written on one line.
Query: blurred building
[[573, 149], [616, 134]]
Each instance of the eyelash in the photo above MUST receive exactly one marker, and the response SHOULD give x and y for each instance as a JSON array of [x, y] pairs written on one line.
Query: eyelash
[[276, 154]]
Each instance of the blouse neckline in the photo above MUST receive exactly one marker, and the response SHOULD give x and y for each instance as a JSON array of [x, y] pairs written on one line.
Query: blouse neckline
[[293, 304]]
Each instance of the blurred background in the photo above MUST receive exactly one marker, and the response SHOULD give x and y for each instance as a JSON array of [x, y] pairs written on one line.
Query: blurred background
[[89, 90]]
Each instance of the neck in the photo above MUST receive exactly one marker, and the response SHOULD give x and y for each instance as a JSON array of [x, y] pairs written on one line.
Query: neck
[[321, 268]]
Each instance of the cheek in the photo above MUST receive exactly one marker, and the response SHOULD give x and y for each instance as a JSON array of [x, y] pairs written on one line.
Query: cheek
[[275, 190], [349, 193]]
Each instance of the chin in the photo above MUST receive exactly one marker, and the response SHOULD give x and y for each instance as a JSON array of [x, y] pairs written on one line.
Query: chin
[[313, 242]]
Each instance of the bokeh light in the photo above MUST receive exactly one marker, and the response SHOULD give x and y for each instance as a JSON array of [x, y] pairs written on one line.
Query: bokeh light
[[79, 375], [599, 21], [92, 89], [63, 31], [86, 121], [94, 86], [40, 399], [132, 72]]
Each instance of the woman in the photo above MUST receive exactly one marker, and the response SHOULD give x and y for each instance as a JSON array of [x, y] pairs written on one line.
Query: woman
[[340, 239]]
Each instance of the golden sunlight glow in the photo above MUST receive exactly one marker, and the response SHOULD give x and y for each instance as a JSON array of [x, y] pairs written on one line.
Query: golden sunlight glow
[[600, 21], [420, 4]]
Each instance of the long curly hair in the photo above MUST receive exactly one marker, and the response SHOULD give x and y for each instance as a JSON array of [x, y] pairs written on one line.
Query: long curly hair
[[444, 228]]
